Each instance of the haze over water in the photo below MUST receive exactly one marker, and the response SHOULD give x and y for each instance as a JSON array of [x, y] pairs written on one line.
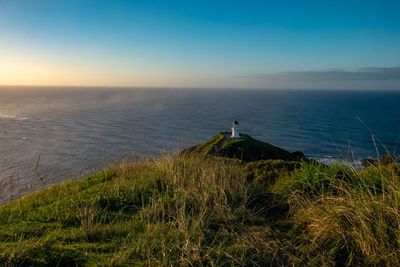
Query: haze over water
[[73, 132]]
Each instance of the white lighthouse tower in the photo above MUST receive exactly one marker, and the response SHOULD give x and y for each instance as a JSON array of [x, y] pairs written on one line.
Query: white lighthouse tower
[[235, 131]]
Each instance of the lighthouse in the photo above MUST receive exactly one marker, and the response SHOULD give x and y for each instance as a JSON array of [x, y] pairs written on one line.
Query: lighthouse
[[235, 131]]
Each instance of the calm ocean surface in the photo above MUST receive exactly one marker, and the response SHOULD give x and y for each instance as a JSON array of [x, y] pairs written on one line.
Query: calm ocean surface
[[47, 135]]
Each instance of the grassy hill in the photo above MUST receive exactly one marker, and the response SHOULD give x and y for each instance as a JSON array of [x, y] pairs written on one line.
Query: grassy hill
[[244, 148], [195, 210]]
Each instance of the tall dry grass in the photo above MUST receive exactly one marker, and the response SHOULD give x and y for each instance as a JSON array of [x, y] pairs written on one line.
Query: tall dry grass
[[344, 216], [198, 216]]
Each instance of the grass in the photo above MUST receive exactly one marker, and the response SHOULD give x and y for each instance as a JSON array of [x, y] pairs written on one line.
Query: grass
[[343, 216], [197, 211]]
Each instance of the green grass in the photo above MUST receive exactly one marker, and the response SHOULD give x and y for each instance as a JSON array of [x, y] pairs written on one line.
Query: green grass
[[201, 211], [207, 148]]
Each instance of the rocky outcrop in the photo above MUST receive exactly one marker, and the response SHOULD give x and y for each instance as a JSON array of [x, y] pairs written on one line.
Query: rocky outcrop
[[384, 161]]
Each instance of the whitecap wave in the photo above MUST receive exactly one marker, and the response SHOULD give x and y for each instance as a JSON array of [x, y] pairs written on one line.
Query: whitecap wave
[[12, 117], [5, 116], [329, 160]]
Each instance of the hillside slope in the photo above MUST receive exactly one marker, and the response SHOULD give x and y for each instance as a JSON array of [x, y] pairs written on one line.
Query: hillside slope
[[202, 211], [171, 211], [244, 148]]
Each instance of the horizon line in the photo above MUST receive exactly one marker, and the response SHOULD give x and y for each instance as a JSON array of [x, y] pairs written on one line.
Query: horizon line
[[8, 86]]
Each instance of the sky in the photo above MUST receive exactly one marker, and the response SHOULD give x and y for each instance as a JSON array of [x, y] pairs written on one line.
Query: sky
[[206, 43]]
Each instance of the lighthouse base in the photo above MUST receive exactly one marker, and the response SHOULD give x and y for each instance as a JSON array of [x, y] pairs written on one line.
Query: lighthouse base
[[235, 133]]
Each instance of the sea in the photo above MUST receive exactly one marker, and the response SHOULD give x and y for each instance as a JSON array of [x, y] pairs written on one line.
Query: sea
[[50, 134]]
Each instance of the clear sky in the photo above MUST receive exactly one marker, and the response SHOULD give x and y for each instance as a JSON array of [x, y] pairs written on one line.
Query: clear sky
[[205, 43]]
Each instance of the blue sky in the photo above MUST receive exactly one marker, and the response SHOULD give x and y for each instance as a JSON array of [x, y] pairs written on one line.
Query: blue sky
[[250, 44]]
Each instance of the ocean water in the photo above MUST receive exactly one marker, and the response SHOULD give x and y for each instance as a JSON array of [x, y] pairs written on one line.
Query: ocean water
[[50, 134]]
